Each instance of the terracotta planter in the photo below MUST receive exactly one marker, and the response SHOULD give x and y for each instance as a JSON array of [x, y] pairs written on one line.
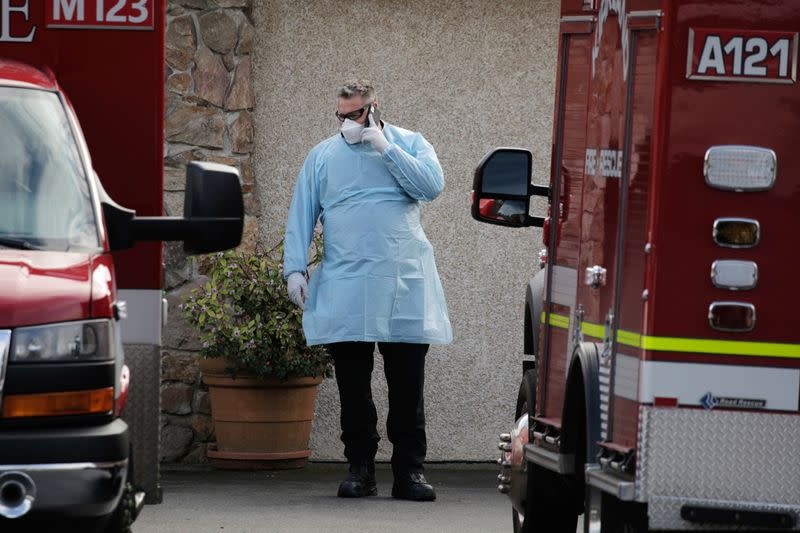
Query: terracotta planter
[[259, 423]]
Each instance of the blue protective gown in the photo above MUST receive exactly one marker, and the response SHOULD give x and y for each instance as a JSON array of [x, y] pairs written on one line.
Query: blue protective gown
[[378, 279]]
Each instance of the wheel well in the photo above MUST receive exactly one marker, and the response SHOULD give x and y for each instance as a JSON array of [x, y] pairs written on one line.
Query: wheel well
[[527, 386], [527, 346], [573, 427], [580, 427], [534, 301], [581, 413]]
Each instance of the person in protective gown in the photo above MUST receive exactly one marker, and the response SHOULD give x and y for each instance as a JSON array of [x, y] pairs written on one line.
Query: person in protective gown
[[377, 282]]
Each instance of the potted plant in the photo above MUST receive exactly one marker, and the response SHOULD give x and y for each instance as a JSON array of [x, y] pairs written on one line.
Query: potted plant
[[262, 377]]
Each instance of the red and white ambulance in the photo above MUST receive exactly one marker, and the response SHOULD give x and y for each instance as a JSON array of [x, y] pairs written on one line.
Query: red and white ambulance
[[663, 385], [82, 113]]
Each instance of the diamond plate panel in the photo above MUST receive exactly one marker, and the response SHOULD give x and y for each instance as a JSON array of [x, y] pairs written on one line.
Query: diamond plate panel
[[665, 513], [142, 414], [739, 458], [641, 455]]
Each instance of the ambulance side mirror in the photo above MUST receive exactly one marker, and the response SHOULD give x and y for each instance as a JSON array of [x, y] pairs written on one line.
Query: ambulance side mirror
[[502, 189], [213, 203], [213, 214]]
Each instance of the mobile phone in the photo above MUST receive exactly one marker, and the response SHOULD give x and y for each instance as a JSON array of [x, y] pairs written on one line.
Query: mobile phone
[[376, 115]]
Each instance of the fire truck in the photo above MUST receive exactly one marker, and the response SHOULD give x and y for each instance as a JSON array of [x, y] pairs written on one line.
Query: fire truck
[[82, 115], [663, 379]]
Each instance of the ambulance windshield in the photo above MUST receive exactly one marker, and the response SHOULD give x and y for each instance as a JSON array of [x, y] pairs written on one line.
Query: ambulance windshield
[[45, 200]]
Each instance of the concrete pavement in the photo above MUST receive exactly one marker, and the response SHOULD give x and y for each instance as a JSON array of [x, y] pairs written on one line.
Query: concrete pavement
[[299, 501]]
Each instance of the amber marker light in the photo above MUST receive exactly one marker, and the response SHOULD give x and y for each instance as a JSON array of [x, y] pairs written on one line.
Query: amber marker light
[[736, 232], [59, 403]]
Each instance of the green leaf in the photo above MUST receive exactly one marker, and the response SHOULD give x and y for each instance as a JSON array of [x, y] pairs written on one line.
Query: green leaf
[[246, 291]]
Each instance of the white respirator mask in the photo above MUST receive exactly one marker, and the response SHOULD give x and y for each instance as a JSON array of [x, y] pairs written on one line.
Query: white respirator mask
[[351, 131]]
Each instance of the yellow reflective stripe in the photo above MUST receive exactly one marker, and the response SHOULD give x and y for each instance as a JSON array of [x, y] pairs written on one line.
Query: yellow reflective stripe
[[559, 321], [593, 330], [629, 338], [762, 349], [677, 344]]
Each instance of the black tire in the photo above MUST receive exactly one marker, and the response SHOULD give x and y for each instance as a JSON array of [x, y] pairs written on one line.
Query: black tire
[[622, 517], [547, 507], [615, 516], [121, 519], [526, 403]]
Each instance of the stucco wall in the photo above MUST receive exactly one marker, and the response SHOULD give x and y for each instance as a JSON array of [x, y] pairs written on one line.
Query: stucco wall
[[469, 75]]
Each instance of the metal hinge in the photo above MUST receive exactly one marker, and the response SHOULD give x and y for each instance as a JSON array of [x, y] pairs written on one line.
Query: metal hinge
[[608, 337], [577, 333]]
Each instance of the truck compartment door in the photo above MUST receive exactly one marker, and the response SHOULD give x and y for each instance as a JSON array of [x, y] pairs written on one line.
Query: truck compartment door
[[563, 237]]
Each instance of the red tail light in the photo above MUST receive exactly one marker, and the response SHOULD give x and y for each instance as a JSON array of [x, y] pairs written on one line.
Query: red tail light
[[663, 401]]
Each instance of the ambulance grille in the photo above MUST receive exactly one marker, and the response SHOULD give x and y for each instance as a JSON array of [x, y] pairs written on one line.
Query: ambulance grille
[[605, 381]]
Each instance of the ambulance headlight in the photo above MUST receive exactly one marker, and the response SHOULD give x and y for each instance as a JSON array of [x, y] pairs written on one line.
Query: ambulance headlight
[[740, 168], [90, 340]]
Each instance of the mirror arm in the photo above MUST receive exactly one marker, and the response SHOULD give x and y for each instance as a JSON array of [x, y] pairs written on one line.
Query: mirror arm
[[211, 189], [161, 228], [173, 228], [534, 221], [118, 224], [538, 190]]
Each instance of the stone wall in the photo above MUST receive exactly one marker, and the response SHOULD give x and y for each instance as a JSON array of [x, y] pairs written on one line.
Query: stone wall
[[209, 117]]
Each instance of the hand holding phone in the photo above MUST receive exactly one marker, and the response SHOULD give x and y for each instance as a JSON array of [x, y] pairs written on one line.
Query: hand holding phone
[[374, 116], [373, 134]]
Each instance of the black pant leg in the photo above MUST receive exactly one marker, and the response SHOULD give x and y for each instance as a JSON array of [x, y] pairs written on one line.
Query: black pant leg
[[404, 367], [353, 363]]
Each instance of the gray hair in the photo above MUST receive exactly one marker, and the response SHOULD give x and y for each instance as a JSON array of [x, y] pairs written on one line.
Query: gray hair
[[356, 88]]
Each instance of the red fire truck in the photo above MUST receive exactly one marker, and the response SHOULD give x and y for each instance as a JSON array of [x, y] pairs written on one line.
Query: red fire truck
[[82, 113], [663, 388]]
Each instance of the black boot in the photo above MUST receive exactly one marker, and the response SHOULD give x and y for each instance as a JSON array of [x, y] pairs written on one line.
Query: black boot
[[412, 486], [360, 482]]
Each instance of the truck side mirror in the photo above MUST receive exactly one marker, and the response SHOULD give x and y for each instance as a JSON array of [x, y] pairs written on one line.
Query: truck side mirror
[[213, 202], [213, 212], [502, 189]]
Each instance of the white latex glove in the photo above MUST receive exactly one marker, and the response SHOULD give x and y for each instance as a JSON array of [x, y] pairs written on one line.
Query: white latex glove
[[373, 135], [297, 289]]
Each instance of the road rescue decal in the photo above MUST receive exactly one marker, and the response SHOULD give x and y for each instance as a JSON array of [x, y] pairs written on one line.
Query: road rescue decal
[[742, 55], [709, 401], [100, 14]]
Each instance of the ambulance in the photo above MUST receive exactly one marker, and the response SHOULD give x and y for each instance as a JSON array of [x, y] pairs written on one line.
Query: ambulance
[[661, 385], [82, 122]]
